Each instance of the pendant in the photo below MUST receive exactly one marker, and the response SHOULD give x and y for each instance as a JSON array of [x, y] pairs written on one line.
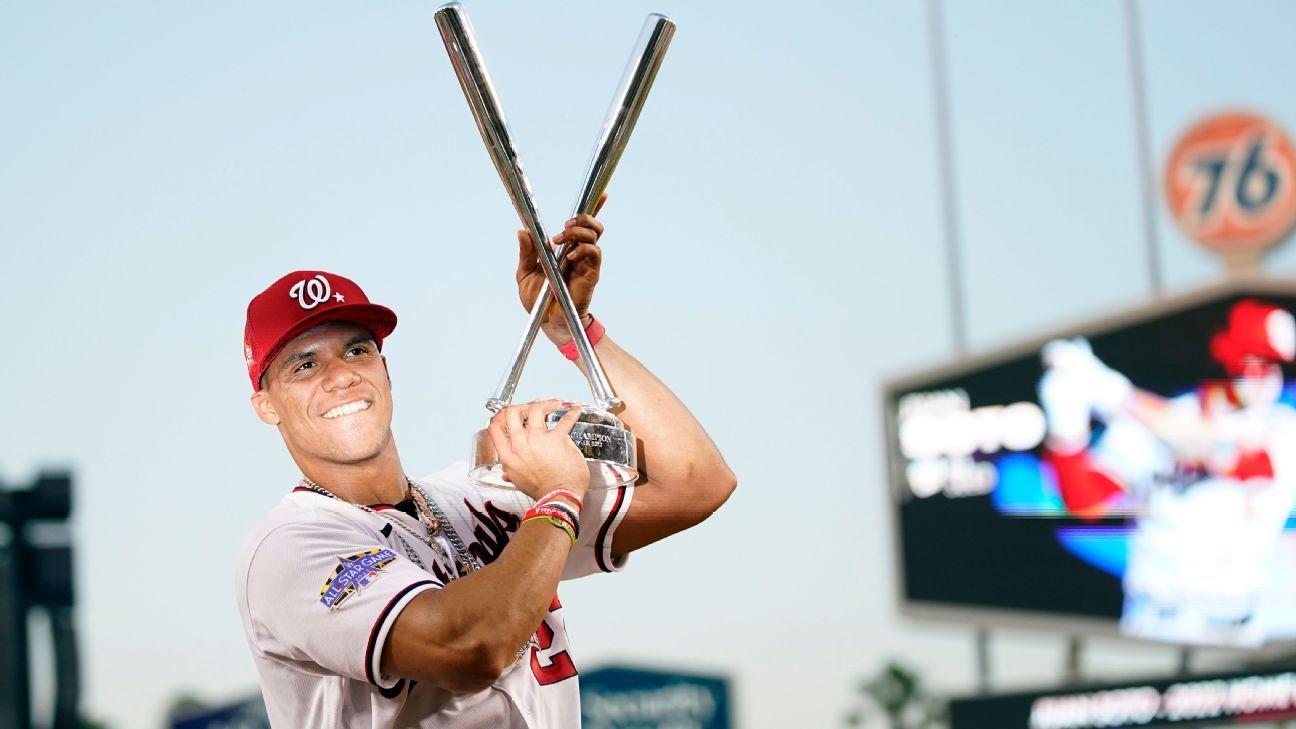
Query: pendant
[[433, 526], [532, 642]]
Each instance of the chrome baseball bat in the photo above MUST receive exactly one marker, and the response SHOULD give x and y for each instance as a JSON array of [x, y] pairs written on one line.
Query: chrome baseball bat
[[461, 44], [627, 103]]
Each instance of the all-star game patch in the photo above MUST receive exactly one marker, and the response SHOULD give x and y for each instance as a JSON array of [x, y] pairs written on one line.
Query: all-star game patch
[[353, 573]]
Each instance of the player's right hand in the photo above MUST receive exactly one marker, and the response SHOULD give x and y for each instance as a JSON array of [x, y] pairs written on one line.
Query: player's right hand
[[1075, 362], [1069, 355], [536, 459]]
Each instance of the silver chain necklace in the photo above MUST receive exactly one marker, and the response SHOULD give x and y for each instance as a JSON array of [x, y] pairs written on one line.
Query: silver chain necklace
[[468, 562], [432, 519]]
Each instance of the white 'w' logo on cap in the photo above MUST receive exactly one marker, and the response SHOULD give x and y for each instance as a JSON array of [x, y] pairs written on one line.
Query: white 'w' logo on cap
[[317, 290]]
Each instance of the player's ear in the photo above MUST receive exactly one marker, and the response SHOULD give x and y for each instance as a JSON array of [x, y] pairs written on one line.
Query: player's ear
[[384, 361], [265, 409]]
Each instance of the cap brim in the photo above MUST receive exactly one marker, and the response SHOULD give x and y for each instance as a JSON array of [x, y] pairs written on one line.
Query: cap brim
[[379, 320]]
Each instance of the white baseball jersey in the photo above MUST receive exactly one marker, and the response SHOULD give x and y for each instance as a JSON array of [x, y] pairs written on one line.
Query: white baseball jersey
[[321, 582]]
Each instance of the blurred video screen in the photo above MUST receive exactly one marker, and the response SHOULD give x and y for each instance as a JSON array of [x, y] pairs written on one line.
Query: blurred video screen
[[1145, 474]]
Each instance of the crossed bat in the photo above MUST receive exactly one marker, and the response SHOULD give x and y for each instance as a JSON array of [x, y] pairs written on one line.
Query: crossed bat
[[469, 67]]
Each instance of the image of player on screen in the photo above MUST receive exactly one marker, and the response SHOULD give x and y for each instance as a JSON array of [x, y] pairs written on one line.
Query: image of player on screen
[[1208, 476]]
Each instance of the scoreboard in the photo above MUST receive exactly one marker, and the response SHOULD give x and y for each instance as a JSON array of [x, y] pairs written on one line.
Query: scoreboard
[[1138, 473]]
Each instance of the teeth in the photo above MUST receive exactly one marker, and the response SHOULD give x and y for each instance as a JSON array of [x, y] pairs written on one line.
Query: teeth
[[351, 407]]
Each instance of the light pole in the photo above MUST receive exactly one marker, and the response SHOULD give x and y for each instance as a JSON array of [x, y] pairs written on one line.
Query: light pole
[[36, 576]]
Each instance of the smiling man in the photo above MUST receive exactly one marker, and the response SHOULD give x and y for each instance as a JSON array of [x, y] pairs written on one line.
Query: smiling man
[[371, 599]]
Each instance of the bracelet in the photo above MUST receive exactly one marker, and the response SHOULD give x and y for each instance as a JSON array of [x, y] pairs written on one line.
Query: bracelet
[[556, 511], [580, 504], [556, 521], [568, 512], [594, 332]]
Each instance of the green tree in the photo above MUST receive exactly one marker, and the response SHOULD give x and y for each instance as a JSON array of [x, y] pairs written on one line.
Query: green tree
[[895, 698]]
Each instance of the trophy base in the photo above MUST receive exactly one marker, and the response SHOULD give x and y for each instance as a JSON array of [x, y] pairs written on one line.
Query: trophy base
[[609, 451]]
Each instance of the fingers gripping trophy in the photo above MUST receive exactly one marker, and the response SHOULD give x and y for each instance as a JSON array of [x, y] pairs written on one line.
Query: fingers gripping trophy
[[608, 447]]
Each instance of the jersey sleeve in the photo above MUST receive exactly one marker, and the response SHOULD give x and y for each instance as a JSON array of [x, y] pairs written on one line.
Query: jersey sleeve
[[602, 513], [604, 509], [327, 594]]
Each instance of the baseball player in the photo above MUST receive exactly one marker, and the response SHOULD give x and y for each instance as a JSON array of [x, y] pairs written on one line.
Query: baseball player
[[372, 599], [1209, 474]]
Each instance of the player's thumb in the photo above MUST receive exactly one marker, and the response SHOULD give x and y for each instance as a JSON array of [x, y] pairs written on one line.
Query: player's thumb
[[526, 251]]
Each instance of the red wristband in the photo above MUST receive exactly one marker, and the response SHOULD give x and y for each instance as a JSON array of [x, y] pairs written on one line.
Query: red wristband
[[594, 332], [554, 512]]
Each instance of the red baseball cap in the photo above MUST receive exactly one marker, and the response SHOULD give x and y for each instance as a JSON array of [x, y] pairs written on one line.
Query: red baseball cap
[[1255, 329], [302, 300]]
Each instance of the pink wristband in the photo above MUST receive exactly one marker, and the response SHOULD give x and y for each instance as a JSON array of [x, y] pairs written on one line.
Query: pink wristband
[[561, 492], [594, 332]]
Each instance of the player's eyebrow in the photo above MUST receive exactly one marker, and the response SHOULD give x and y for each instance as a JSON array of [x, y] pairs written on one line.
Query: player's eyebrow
[[310, 353], [298, 357]]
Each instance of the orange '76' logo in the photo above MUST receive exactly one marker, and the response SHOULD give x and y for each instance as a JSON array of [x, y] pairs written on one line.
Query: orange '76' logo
[[1230, 182]]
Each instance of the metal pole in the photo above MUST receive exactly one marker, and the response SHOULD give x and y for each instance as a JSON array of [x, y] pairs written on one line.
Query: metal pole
[[15, 690], [1075, 651], [983, 661], [1147, 184], [945, 159], [67, 695]]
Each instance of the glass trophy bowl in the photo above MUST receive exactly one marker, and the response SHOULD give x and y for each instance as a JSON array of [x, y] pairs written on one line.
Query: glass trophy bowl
[[609, 451]]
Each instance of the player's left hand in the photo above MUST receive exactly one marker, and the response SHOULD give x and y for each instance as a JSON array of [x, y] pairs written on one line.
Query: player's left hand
[[584, 258]]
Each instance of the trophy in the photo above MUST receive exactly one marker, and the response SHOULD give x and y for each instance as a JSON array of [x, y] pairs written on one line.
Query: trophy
[[609, 448]]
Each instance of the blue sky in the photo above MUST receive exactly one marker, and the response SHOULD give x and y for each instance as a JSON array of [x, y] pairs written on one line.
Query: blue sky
[[774, 251]]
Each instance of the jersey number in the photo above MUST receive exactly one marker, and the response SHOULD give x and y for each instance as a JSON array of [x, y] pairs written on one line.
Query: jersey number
[[560, 666]]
